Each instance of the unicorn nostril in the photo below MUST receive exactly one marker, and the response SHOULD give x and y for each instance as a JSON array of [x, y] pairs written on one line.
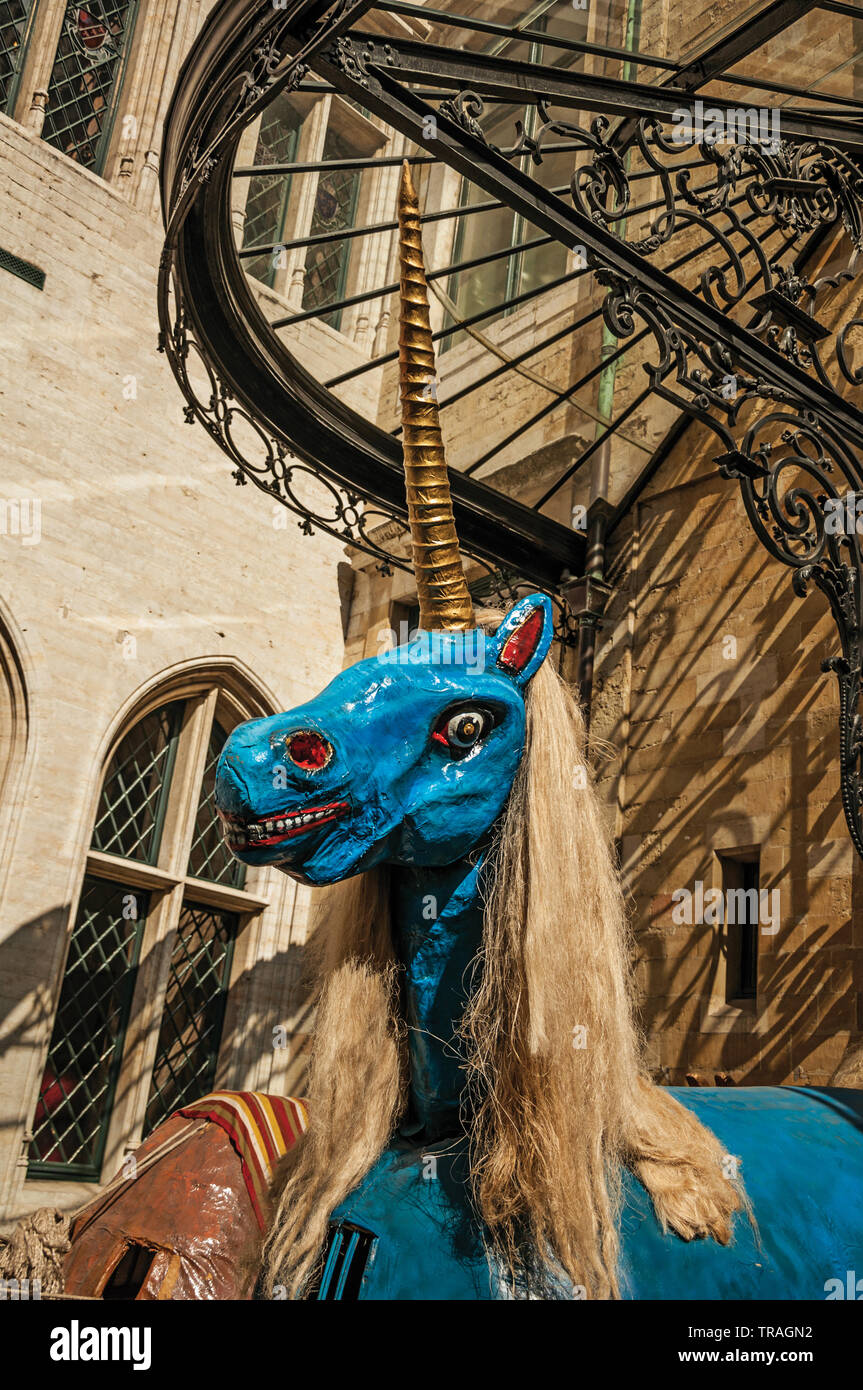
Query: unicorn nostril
[[308, 750]]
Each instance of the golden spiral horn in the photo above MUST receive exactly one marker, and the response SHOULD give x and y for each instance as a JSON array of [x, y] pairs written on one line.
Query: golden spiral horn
[[444, 600]]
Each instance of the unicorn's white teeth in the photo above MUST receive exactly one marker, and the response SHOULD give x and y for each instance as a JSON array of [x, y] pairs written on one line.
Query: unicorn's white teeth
[[248, 836]]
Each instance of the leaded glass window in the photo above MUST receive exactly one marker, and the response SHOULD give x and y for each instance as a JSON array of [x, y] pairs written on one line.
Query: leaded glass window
[[335, 209], [85, 80], [209, 856], [14, 20], [157, 873], [135, 789], [80, 1076], [188, 1048], [299, 217], [267, 201]]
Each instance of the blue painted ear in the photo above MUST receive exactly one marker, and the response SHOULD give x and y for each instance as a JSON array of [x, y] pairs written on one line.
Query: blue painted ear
[[521, 643]]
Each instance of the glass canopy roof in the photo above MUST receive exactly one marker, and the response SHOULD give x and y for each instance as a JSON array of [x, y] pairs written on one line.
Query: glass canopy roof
[[561, 152]]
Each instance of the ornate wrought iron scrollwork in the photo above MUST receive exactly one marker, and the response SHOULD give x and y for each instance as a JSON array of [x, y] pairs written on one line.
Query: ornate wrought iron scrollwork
[[799, 480], [800, 490], [726, 194], [349, 518], [803, 515]]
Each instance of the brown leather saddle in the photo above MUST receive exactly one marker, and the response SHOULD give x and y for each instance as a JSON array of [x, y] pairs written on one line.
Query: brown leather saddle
[[186, 1216]]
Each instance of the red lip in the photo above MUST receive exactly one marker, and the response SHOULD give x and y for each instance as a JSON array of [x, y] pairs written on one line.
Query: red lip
[[275, 828]]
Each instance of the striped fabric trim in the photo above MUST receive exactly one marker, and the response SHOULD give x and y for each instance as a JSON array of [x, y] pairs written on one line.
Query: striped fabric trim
[[261, 1129]]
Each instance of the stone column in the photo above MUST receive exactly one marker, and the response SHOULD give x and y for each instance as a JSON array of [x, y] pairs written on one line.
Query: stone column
[[170, 27], [38, 62], [36, 115], [290, 278]]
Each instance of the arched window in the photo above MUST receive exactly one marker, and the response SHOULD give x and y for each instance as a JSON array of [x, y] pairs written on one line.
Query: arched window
[[85, 80], [161, 898]]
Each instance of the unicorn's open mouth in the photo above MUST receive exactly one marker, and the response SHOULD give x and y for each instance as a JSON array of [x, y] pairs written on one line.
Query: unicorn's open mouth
[[273, 829]]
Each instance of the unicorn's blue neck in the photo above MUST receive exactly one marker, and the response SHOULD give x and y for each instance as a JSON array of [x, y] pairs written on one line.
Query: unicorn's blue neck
[[437, 924]]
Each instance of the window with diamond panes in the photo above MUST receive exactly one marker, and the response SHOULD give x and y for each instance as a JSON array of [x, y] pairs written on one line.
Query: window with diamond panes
[[191, 1030], [14, 21], [142, 887], [86, 77], [80, 1076], [335, 210], [136, 786], [266, 205], [209, 856]]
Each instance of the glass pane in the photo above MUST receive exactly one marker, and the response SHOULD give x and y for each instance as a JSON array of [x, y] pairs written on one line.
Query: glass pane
[[209, 856], [268, 193], [484, 287], [13, 23], [134, 792], [335, 208], [479, 234], [93, 45], [542, 264], [77, 1089], [489, 287], [191, 1031], [494, 27], [821, 52]]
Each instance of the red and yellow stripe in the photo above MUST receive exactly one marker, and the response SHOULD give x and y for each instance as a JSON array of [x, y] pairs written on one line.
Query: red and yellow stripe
[[261, 1128]]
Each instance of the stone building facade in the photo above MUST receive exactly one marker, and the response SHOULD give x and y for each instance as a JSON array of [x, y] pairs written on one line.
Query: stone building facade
[[147, 606], [143, 613]]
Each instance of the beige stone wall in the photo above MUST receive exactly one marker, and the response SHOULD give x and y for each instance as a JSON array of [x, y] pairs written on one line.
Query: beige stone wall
[[142, 534], [722, 737]]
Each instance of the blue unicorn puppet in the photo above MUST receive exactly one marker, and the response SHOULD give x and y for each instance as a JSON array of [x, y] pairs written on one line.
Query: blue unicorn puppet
[[481, 1124]]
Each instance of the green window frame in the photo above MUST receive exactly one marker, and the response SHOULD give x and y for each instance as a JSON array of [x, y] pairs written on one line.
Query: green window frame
[[135, 895], [325, 264], [336, 198], [267, 199], [79, 1082], [135, 789], [209, 856], [16, 23]]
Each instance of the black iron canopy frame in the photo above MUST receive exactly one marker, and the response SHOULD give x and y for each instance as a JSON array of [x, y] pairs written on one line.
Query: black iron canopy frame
[[701, 246]]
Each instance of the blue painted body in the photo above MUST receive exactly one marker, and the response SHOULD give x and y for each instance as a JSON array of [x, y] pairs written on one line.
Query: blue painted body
[[801, 1153], [408, 760]]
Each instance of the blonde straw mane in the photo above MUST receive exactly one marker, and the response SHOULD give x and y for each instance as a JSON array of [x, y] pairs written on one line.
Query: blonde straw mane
[[560, 1100]]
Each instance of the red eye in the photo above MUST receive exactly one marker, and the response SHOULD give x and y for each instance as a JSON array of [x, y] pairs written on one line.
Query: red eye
[[308, 750]]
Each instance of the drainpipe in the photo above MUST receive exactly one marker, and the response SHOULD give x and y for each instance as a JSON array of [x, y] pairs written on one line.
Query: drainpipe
[[589, 595], [588, 598]]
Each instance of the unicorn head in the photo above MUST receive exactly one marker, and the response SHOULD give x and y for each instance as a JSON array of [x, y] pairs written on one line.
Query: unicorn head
[[406, 758]]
